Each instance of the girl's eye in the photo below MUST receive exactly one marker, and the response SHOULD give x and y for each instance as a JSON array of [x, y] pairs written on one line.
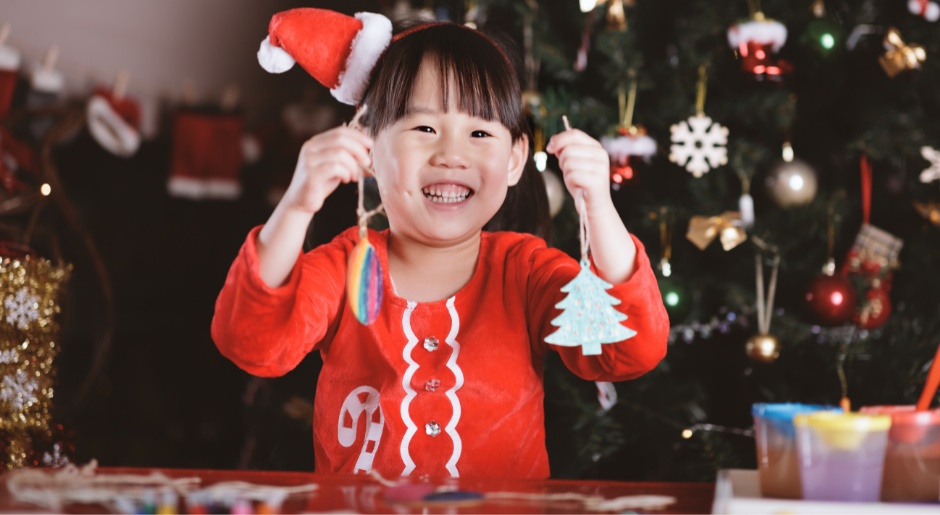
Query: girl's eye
[[424, 128], [479, 134]]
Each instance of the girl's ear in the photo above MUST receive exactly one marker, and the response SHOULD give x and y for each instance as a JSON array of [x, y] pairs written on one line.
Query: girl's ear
[[517, 159]]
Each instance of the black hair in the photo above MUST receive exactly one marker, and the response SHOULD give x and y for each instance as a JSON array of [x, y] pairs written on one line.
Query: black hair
[[487, 87]]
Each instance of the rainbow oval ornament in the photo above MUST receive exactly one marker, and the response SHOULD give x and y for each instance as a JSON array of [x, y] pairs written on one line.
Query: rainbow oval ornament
[[364, 282]]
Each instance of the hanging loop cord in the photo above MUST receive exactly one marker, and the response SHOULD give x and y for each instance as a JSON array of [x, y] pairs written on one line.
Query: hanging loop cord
[[866, 189], [700, 90], [583, 226], [361, 212]]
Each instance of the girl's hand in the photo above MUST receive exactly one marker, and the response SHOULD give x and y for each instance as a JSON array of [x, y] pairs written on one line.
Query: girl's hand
[[326, 160], [585, 166]]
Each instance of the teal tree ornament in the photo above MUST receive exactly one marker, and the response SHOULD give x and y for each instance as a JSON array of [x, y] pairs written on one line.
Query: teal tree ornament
[[588, 316]]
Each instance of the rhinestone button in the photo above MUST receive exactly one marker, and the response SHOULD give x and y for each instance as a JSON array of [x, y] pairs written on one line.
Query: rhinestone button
[[432, 428], [432, 385], [430, 343]]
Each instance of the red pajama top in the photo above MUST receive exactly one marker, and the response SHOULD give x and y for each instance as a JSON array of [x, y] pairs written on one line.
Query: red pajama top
[[447, 388]]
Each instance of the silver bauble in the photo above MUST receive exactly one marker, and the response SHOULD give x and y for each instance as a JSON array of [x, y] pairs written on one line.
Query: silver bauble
[[791, 184], [555, 190]]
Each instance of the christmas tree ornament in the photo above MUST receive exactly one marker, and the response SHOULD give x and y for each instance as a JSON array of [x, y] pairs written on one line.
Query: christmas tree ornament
[[616, 16], [900, 56], [588, 318], [930, 11], [756, 41], [666, 218], [364, 277], [763, 346], [580, 62], [699, 143], [114, 118], [556, 192], [791, 184], [728, 227], [822, 33], [830, 297], [675, 294], [46, 83], [339, 51], [933, 172], [9, 70], [871, 262], [929, 210], [745, 201], [606, 395], [632, 142], [30, 290]]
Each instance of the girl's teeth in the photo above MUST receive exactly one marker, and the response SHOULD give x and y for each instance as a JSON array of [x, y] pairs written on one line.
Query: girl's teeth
[[447, 194]]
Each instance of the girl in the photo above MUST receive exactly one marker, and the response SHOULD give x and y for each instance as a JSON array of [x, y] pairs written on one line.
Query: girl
[[448, 379]]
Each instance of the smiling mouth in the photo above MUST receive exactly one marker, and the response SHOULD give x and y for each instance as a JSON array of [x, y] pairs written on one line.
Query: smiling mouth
[[447, 193]]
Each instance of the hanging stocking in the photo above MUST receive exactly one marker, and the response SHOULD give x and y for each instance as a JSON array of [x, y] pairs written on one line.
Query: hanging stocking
[[46, 85], [871, 261], [9, 71], [588, 318], [114, 119], [207, 154]]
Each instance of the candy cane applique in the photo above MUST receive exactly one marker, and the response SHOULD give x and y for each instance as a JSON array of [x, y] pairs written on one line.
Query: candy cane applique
[[353, 408]]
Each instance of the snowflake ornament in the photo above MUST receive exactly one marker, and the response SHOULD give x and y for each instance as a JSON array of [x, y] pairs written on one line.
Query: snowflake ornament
[[933, 173], [19, 390], [700, 144], [22, 308]]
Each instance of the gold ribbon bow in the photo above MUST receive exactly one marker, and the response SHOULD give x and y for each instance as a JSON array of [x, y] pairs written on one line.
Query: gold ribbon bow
[[900, 56], [728, 227], [929, 210]]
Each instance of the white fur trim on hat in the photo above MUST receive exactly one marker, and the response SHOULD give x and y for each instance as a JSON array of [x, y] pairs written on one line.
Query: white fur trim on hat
[[622, 147], [367, 47], [762, 32], [110, 130], [274, 59]]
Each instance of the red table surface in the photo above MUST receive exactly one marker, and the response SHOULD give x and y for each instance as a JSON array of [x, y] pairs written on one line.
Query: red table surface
[[362, 494]]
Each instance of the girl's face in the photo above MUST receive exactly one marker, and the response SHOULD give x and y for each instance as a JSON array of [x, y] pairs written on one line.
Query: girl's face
[[443, 174]]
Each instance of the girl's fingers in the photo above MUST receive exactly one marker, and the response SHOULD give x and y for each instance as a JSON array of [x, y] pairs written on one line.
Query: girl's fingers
[[574, 154], [559, 141], [316, 161], [354, 142]]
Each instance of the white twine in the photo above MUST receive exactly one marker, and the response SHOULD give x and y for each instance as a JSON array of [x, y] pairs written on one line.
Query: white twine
[[583, 226]]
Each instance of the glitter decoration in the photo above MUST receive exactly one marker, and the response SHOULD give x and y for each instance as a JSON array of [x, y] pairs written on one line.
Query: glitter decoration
[[364, 282], [29, 301], [432, 428]]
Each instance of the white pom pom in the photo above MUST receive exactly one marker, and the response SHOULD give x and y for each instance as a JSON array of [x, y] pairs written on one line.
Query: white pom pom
[[913, 6], [274, 59], [932, 13]]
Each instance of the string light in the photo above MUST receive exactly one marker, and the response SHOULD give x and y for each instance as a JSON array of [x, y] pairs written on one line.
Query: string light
[[588, 5], [827, 41], [687, 433], [787, 152], [672, 298], [541, 160], [45, 189], [795, 183]]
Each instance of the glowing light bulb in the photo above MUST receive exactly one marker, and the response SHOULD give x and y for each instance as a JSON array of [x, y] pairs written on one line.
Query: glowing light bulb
[[836, 298], [795, 182], [672, 298], [686, 433], [541, 160], [588, 5], [787, 152], [827, 41], [45, 189], [760, 54], [667, 269]]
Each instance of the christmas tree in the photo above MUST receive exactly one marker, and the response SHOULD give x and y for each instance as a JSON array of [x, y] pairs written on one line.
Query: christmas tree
[[807, 91]]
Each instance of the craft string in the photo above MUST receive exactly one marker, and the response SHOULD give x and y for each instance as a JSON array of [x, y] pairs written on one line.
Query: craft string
[[627, 103], [583, 225], [765, 305], [700, 90], [866, 189], [361, 212], [665, 232]]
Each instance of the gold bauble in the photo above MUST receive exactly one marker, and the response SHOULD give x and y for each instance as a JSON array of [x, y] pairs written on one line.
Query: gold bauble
[[791, 184], [763, 347], [555, 189]]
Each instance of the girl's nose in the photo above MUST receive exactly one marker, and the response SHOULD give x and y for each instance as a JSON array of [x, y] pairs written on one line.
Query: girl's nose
[[451, 152]]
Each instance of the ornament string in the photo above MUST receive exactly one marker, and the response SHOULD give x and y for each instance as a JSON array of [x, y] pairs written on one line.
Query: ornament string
[[700, 90], [583, 225], [627, 103], [765, 305], [361, 212], [866, 189]]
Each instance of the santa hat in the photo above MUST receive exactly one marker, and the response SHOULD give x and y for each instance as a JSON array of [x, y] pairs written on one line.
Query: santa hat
[[762, 32], [339, 51], [114, 122]]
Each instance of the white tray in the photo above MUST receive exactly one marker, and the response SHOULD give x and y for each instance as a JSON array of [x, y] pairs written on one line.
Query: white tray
[[738, 491]]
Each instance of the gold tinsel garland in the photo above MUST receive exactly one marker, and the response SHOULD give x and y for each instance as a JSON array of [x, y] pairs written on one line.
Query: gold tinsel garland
[[29, 301]]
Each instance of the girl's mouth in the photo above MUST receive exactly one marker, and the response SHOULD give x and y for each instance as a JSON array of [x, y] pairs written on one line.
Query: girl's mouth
[[447, 193]]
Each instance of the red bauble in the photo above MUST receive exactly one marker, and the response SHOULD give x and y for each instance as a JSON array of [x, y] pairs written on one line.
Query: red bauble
[[876, 309], [831, 299]]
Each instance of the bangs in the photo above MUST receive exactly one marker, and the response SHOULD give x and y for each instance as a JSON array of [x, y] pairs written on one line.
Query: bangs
[[469, 65]]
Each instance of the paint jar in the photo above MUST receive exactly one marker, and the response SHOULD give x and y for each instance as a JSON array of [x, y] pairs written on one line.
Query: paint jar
[[775, 437], [841, 455], [912, 460]]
